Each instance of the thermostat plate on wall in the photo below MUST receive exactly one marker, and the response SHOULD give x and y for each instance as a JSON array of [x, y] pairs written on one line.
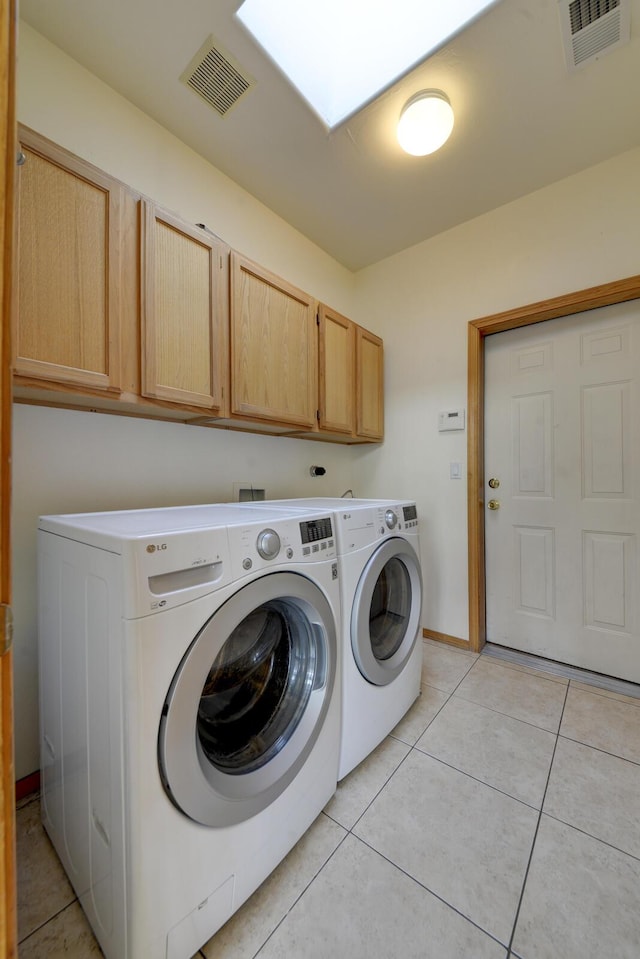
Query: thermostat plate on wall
[[450, 420]]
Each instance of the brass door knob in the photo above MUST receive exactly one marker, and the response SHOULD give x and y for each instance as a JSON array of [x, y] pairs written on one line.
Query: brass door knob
[[494, 483], [494, 504]]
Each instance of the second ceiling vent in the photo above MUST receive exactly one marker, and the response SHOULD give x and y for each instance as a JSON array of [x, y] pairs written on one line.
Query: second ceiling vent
[[216, 77], [591, 28]]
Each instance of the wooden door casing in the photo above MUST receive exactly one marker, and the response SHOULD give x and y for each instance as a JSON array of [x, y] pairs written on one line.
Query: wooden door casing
[[8, 923]]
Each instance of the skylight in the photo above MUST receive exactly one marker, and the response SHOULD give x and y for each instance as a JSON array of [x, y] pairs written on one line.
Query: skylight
[[340, 54]]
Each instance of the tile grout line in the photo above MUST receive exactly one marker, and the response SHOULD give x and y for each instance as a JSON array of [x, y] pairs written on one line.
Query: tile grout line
[[537, 829], [395, 865], [589, 835], [431, 892], [301, 894], [51, 919], [599, 749], [475, 779], [499, 712], [349, 831], [411, 748]]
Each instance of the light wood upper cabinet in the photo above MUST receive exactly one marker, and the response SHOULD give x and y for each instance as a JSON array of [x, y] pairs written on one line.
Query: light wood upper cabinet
[[68, 268], [124, 307], [273, 347], [337, 358], [369, 385], [350, 379], [184, 290]]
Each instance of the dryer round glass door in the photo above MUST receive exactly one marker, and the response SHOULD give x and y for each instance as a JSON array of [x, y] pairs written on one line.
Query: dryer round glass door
[[386, 611], [248, 700]]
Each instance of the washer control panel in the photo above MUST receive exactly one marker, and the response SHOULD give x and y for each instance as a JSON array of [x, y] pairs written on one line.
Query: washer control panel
[[316, 535], [258, 546]]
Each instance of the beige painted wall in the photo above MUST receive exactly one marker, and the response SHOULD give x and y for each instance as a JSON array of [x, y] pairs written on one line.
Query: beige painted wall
[[580, 232], [70, 461]]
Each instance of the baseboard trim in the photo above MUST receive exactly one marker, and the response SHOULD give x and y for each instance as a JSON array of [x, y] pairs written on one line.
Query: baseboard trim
[[445, 638], [27, 785]]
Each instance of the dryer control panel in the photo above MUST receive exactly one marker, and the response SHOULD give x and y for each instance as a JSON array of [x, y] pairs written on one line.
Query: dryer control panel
[[395, 519]]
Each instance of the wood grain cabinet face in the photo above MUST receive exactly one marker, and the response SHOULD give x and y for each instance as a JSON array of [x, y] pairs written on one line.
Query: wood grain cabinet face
[[369, 385], [273, 347], [184, 289], [68, 269], [337, 361]]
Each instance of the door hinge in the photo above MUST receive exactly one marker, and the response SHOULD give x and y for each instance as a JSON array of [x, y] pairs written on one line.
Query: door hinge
[[318, 319], [20, 158], [6, 628], [318, 415]]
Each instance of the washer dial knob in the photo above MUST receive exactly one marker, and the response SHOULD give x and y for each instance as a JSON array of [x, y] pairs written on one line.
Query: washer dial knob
[[390, 519], [268, 544]]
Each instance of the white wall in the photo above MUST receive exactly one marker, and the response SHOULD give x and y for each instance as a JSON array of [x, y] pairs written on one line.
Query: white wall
[[68, 461], [580, 232]]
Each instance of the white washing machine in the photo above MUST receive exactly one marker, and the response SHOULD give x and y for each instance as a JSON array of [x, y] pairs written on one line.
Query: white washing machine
[[190, 710], [381, 589]]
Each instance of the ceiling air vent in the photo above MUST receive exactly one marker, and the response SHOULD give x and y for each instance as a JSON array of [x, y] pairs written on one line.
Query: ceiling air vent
[[591, 28], [216, 77]]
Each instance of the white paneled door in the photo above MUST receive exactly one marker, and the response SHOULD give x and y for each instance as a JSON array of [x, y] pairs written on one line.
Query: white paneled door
[[562, 528]]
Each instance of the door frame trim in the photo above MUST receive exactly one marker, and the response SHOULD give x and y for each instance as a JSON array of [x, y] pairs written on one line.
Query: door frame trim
[[589, 299]]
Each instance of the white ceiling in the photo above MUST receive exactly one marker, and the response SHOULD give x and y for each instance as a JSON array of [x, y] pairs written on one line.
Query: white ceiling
[[522, 119]]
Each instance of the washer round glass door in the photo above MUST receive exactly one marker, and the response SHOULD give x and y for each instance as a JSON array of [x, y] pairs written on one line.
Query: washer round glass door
[[248, 700], [386, 611]]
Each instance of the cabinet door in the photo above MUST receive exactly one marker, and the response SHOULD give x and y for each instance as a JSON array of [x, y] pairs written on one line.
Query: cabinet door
[[337, 371], [273, 347], [369, 385], [183, 287], [67, 269]]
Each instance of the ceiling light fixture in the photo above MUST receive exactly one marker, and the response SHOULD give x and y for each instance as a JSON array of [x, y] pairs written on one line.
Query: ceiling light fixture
[[425, 123]]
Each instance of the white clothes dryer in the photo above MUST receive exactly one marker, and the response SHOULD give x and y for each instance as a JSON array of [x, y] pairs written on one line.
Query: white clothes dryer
[[190, 710], [381, 591]]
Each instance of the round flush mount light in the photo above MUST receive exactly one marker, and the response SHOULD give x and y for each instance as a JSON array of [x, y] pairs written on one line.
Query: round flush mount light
[[425, 123]]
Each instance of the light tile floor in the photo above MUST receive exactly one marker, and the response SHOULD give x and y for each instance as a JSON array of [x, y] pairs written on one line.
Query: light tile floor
[[500, 819]]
